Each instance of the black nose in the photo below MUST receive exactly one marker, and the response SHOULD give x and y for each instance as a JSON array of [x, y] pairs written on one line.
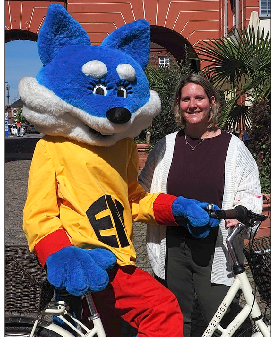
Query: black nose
[[118, 115]]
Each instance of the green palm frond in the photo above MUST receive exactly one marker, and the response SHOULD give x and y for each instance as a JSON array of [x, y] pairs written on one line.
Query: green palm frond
[[239, 64], [238, 118], [236, 61]]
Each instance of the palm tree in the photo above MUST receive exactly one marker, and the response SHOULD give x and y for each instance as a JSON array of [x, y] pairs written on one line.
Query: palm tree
[[240, 66]]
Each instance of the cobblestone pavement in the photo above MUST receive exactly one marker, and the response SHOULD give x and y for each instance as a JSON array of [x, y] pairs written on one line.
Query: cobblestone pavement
[[18, 154]]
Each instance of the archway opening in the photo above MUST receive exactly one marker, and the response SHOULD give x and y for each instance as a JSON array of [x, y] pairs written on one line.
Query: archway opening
[[176, 44], [21, 59]]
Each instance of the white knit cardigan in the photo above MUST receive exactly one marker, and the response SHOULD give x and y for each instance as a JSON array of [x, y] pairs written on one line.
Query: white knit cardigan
[[242, 187]]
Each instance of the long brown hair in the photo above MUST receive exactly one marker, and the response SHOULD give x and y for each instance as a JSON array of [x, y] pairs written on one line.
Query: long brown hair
[[210, 91]]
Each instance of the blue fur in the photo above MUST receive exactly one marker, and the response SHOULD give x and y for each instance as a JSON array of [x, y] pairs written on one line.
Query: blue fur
[[191, 210], [199, 222], [135, 41], [79, 270], [59, 28], [64, 47], [199, 232], [63, 75]]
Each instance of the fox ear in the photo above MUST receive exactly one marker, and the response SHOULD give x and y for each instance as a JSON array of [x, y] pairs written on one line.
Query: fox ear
[[133, 39], [59, 30]]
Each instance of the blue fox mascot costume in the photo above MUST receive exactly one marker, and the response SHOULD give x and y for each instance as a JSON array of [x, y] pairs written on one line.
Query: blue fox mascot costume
[[83, 192]]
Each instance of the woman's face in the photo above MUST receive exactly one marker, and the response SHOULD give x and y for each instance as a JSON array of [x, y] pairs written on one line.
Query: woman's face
[[194, 104]]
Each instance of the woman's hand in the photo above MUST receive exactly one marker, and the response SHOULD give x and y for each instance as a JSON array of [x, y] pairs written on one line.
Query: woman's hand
[[231, 223]]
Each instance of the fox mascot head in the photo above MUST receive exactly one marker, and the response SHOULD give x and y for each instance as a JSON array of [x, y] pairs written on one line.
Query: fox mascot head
[[92, 94]]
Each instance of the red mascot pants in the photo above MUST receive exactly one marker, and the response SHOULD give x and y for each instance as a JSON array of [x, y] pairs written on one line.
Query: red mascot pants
[[139, 299]]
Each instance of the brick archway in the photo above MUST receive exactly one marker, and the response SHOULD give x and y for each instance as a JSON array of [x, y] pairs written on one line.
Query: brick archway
[[23, 20], [194, 20], [18, 34], [173, 42]]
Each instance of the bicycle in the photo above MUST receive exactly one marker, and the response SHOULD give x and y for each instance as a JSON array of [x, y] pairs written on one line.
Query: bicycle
[[241, 282], [21, 326]]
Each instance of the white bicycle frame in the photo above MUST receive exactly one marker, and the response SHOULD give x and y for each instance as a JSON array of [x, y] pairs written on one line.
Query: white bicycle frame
[[251, 307], [241, 283], [59, 309]]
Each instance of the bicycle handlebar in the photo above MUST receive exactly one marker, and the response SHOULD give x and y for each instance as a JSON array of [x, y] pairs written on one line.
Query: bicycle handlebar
[[240, 213]]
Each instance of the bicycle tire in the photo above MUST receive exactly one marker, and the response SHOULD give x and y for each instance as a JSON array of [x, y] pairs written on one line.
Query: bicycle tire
[[21, 327]]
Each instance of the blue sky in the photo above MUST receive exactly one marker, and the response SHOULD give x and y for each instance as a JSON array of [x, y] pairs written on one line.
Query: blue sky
[[21, 59]]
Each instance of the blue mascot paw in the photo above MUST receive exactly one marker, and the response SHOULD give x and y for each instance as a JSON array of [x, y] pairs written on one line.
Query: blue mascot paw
[[199, 232], [199, 222], [79, 270], [191, 210]]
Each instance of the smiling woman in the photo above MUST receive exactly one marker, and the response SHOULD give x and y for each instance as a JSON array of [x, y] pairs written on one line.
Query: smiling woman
[[21, 59], [210, 165]]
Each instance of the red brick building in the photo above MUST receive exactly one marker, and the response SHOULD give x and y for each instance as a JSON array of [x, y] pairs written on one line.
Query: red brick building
[[174, 23]]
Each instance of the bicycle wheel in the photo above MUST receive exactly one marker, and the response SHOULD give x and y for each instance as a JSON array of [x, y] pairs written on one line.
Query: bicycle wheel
[[21, 327]]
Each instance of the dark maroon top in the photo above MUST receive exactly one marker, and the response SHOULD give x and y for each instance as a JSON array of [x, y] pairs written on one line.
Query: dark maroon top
[[198, 174]]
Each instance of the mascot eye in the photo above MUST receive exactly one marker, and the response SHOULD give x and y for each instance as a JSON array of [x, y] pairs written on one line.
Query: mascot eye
[[100, 90], [122, 92]]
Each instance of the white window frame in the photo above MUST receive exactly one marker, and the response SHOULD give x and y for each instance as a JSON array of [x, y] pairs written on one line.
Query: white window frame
[[264, 8], [164, 61]]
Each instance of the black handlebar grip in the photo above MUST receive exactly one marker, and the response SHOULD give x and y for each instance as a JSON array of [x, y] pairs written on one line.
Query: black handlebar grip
[[217, 214], [239, 213]]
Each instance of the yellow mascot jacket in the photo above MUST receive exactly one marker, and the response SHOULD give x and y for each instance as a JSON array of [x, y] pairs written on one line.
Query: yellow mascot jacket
[[88, 196]]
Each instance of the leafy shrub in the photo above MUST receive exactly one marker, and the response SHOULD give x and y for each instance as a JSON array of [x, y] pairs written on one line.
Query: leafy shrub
[[259, 143]]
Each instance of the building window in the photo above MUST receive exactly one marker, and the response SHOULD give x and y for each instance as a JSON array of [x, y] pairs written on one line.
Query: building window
[[233, 10], [163, 61], [264, 9]]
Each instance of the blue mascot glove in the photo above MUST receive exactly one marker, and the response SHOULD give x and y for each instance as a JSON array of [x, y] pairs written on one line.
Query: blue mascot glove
[[198, 232], [191, 210], [203, 231], [79, 270], [199, 222]]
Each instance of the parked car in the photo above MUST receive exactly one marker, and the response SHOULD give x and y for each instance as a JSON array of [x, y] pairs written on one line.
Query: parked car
[[30, 128]]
